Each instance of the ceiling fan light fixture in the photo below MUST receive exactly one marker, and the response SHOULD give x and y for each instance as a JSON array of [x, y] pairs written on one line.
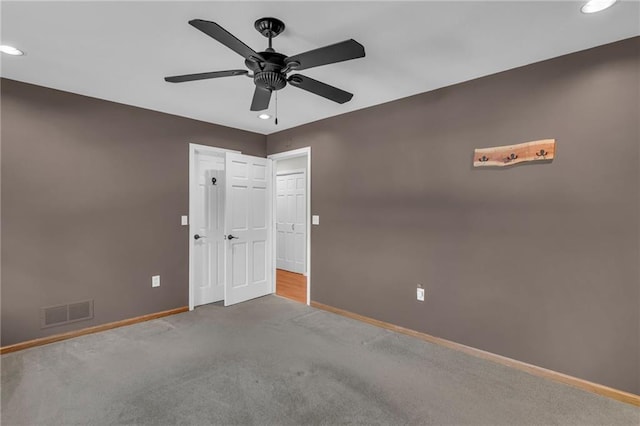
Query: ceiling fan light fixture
[[264, 116], [10, 50], [593, 6]]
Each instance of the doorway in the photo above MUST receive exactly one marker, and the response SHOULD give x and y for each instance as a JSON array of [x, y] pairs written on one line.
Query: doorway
[[230, 226], [292, 236]]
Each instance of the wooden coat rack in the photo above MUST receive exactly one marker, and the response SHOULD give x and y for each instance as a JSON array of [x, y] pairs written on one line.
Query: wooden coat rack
[[508, 155]]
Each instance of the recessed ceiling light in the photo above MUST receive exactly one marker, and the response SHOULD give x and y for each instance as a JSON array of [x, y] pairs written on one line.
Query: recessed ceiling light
[[264, 116], [593, 6], [10, 50]]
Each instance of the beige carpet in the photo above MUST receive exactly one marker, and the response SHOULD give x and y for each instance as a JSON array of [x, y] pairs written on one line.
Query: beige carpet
[[274, 361]]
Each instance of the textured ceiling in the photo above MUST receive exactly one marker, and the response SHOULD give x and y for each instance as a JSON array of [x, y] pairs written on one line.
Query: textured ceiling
[[120, 51]]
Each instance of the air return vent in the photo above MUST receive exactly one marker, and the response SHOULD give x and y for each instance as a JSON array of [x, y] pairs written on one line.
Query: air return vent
[[64, 314], [54, 315]]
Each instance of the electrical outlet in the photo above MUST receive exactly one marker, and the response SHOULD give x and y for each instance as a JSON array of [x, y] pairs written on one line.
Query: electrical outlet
[[155, 281], [420, 293]]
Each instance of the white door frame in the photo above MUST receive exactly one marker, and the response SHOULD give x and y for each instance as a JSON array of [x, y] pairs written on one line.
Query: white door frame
[[282, 156], [193, 149]]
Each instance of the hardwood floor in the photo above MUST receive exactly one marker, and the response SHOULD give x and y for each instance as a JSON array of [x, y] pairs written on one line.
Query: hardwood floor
[[291, 285]]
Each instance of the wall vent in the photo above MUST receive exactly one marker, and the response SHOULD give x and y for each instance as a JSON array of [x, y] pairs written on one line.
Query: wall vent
[[54, 315], [64, 314]]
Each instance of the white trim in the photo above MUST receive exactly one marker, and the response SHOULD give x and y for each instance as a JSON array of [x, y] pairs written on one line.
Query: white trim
[[193, 149], [301, 152], [308, 225]]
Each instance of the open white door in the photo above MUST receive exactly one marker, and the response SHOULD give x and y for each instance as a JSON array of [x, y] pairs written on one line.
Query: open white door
[[291, 221], [248, 225], [207, 242]]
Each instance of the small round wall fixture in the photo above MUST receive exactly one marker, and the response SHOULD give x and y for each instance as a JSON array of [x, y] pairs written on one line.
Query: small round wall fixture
[[264, 116], [593, 6], [10, 50]]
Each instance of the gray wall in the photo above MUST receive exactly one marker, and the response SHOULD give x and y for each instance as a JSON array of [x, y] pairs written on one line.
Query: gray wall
[[535, 262], [92, 193]]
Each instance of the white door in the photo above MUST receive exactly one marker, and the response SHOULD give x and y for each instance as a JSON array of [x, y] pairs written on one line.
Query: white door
[[248, 228], [207, 230], [291, 222]]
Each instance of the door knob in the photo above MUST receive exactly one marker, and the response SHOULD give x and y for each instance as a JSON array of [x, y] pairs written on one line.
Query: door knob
[[231, 237], [197, 237]]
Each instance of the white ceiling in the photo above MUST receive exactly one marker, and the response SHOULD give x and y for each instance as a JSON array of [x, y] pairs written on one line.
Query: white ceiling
[[120, 51]]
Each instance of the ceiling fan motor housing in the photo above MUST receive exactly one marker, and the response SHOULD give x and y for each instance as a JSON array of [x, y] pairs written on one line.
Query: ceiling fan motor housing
[[268, 74]]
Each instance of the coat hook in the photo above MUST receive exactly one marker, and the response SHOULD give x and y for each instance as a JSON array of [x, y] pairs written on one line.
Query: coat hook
[[483, 159], [213, 180], [541, 153], [511, 157]]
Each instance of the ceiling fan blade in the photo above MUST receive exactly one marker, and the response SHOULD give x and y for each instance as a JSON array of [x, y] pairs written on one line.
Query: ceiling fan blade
[[343, 51], [204, 76], [261, 98], [225, 37], [320, 89]]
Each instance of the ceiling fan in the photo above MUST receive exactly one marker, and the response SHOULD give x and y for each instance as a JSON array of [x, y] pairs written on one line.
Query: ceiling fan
[[270, 68]]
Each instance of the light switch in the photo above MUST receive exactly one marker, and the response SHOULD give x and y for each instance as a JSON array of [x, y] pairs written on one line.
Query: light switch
[[315, 219], [155, 281], [184, 220]]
